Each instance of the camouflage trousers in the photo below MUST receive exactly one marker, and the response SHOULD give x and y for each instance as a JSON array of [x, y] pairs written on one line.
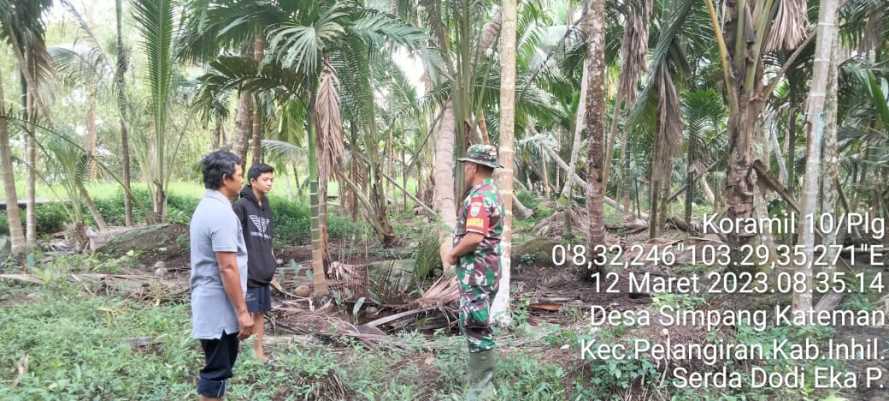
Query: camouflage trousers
[[478, 286]]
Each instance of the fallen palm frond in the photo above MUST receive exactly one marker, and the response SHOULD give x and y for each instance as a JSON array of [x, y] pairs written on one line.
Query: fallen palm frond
[[332, 328], [444, 291], [141, 287]]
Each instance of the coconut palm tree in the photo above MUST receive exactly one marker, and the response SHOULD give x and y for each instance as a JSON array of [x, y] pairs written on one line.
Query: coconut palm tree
[[23, 29], [743, 43], [68, 166], [595, 113], [120, 69], [154, 19], [87, 68], [304, 44], [13, 216], [802, 300]]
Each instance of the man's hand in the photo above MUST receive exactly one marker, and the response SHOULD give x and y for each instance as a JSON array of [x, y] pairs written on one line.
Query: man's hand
[[466, 245], [451, 259], [231, 281], [245, 325]]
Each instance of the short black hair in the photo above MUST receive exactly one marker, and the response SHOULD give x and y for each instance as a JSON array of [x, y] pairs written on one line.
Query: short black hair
[[215, 166], [259, 169]]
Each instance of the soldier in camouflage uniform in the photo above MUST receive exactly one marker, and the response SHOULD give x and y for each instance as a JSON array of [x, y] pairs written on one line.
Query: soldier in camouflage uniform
[[476, 254]]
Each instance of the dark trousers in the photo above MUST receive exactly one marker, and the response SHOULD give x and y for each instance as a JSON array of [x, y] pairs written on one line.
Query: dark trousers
[[219, 357]]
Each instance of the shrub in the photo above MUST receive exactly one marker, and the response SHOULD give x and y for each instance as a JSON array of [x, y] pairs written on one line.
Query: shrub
[[528, 199], [290, 221], [290, 218], [51, 218]]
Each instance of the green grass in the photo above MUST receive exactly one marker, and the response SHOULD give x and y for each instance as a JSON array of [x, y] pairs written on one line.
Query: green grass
[[77, 349]]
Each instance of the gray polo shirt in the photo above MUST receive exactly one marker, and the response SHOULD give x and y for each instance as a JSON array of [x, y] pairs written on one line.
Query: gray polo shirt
[[214, 228]]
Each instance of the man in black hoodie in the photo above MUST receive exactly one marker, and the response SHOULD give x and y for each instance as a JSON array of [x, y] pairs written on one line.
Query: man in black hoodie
[[255, 215]]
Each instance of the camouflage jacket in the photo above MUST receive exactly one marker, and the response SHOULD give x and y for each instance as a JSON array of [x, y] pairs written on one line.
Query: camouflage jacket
[[481, 213]]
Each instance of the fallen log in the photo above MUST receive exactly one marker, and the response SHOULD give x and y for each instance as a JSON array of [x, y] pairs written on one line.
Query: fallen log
[[391, 318]]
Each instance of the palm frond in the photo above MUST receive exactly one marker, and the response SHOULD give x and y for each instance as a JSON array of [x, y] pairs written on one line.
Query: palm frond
[[23, 28], [212, 26], [244, 73], [300, 47], [790, 25], [666, 38], [80, 67], [154, 20], [669, 132], [376, 29], [328, 125], [634, 47], [284, 150]]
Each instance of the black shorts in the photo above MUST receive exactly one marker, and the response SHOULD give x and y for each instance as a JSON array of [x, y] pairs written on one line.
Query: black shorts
[[219, 357], [259, 299]]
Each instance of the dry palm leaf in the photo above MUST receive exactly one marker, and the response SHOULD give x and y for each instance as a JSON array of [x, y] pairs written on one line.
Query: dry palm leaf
[[669, 132], [634, 47], [329, 124], [790, 26], [444, 291]]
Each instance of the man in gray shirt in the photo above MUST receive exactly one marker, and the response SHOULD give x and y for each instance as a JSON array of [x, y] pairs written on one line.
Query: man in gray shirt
[[219, 313]]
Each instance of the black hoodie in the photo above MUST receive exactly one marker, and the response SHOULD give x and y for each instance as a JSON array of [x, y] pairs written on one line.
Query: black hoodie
[[257, 224]]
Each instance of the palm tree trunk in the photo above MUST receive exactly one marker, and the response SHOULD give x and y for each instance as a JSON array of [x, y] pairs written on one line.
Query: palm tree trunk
[[595, 108], [831, 153], [217, 135], [404, 179], [378, 199], [826, 31], [91, 206], [545, 175], [244, 118], [579, 120], [500, 306], [318, 212], [13, 216], [245, 127], [443, 176], [665, 203], [91, 136], [626, 183], [353, 171], [120, 74], [761, 198], [653, 199], [125, 156], [689, 179], [258, 51], [31, 157], [299, 190], [791, 150], [779, 154]]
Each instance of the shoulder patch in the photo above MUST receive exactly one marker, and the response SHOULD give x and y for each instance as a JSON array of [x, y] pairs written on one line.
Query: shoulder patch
[[475, 208]]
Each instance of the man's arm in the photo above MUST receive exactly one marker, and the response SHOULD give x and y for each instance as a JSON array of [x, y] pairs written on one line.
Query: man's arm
[[466, 245], [231, 281], [477, 225]]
